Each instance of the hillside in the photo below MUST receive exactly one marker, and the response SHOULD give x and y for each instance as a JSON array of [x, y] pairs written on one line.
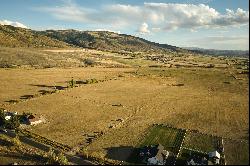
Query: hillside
[[103, 40], [19, 37]]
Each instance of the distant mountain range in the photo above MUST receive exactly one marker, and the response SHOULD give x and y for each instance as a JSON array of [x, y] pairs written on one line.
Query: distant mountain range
[[214, 52]]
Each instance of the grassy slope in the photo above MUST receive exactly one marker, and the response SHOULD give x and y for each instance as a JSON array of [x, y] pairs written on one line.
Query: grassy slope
[[109, 41], [19, 37]]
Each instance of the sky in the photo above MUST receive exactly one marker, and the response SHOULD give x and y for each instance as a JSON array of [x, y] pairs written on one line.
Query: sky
[[213, 24]]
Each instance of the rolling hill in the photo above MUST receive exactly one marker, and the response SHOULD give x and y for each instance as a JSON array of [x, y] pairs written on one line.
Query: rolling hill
[[109, 41], [101, 40], [20, 37]]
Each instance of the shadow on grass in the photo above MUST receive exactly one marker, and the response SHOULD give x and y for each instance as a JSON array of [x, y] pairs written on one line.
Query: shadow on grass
[[26, 96], [45, 92], [5, 143], [49, 86], [26, 157], [246, 137], [12, 101], [123, 153]]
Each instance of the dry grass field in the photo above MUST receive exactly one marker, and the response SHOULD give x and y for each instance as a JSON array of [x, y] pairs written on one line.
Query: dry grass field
[[128, 101]]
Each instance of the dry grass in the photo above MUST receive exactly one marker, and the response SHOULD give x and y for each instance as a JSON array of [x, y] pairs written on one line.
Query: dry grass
[[236, 152], [204, 103]]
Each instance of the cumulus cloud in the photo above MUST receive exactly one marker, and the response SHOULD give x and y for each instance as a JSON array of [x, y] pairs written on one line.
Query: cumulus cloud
[[15, 24], [143, 29], [166, 16], [222, 42]]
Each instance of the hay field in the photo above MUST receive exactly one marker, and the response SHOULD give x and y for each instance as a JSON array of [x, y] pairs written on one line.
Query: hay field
[[203, 103], [128, 101]]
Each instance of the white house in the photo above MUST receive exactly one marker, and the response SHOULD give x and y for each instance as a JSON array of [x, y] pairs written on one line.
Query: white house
[[214, 154], [32, 120], [153, 161], [7, 117], [160, 157]]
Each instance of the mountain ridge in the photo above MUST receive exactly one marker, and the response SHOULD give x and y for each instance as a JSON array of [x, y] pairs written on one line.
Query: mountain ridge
[[11, 36], [106, 40]]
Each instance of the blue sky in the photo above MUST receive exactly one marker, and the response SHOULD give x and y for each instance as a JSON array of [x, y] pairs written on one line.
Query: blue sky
[[217, 24]]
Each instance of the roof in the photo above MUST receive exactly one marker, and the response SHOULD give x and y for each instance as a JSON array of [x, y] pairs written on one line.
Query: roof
[[161, 153], [156, 153], [214, 154], [8, 117], [197, 160], [152, 160], [31, 117]]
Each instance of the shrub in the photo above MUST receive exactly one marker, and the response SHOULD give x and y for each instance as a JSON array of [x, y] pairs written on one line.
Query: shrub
[[16, 142], [91, 81], [72, 83], [59, 159], [13, 123], [2, 118], [89, 62]]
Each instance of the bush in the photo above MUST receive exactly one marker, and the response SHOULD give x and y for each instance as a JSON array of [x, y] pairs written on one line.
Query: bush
[[91, 81], [16, 142], [2, 118], [59, 159], [89, 62], [13, 123], [72, 83]]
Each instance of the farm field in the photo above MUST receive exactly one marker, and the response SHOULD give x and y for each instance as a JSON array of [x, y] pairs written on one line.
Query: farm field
[[127, 102]]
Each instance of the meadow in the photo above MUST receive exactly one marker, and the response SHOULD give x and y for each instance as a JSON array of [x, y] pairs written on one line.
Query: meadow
[[128, 99]]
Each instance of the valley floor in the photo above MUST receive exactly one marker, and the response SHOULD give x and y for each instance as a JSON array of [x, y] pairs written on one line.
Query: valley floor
[[126, 101]]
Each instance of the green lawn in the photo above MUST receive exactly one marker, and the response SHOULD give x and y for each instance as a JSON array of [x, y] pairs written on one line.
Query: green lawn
[[201, 142], [170, 138]]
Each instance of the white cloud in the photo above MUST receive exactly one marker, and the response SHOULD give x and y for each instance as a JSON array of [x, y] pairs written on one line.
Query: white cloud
[[156, 29], [108, 30], [221, 42], [143, 29], [15, 24], [166, 16]]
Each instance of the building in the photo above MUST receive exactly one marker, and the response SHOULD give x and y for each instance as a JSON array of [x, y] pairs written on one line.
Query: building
[[155, 155], [8, 114], [159, 156], [32, 120], [7, 117], [214, 157], [197, 160], [214, 154]]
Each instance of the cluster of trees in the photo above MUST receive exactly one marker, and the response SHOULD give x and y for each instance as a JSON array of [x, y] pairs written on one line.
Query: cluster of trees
[[12, 123]]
